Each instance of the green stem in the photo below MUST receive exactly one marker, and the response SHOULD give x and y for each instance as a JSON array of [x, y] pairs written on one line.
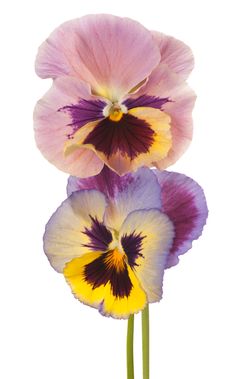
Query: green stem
[[145, 341], [130, 348]]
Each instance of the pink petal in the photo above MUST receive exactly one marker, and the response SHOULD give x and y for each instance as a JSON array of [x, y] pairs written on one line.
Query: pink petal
[[164, 83], [183, 201], [52, 129], [112, 54], [175, 54], [180, 112]]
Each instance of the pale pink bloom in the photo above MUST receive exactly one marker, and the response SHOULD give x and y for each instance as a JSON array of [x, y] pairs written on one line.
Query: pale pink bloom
[[118, 97]]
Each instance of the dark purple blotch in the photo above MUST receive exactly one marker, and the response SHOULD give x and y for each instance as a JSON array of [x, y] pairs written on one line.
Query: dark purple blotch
[[100, 237], [132, 245], [131, 136], [101, 271]]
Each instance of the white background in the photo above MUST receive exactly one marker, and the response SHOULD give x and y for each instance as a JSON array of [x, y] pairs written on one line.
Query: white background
[[45, 332]]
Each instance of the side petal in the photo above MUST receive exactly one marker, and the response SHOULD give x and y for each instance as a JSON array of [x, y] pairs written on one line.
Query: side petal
[[71, 230], [104, 50], [175, 53], [95, 282], [180, 111], [53, 128], [184, 202], [124, 194], [156, 232], [164, 83]]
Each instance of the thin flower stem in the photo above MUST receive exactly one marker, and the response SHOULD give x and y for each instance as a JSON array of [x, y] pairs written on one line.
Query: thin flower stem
[[145, 342], [130, 348]]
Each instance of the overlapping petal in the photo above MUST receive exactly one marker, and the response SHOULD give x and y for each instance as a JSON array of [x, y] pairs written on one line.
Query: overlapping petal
[[124, 194], [104, 50], [184, 202], [175, 53]]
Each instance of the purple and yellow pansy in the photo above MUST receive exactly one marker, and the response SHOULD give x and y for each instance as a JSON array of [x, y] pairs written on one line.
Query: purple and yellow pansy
[[113, 237], [119, 97]]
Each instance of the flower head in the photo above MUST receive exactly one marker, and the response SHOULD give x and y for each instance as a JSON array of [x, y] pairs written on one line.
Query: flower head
[[114, 236], [119, 97]]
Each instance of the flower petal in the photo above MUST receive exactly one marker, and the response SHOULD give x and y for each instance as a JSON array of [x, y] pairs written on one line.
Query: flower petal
[[96, 281], [141, 137], [175, 53], [180, 112], [76, 226], [166, 84], [184, 202], [156, 231], [54, 126], [106, 51], [124, 194]]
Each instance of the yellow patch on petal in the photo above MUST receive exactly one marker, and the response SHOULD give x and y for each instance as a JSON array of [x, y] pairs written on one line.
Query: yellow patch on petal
[[159, 121], [76, 141], [102, 296]]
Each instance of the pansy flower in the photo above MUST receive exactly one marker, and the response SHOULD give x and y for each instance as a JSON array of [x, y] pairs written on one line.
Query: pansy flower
[[114, 236], [119, 97]]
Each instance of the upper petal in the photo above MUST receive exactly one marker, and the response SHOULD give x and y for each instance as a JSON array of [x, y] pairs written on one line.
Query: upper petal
[[184, 202], [124, 194], [53, 126], [106, 51], [156, 232], [75, 228], [175, 53]]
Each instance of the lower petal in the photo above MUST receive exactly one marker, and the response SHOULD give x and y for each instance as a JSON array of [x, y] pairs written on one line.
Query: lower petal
[[139, 138], [94, 282]]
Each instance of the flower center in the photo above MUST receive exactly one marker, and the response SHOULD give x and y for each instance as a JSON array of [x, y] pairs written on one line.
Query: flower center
[[115, 111]]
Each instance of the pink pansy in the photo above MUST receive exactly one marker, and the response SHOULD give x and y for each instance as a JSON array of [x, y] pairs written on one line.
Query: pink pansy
[[118, 97]]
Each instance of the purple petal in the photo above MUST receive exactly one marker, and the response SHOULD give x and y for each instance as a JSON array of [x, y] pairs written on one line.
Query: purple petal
[[184, 202], [146, 101], [133, 191]]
